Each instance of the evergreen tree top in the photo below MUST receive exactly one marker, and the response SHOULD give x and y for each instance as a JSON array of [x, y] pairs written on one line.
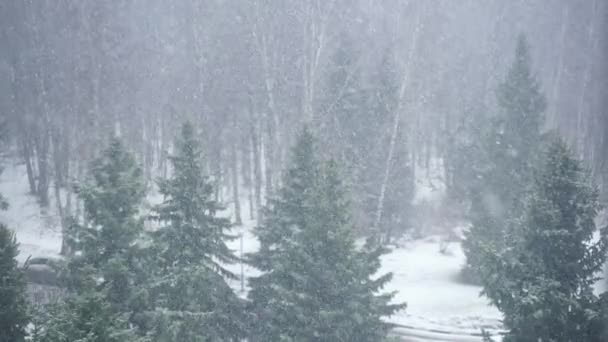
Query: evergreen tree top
[[115, 187], [305, 166], [288, 211], [192, 232], [520, 95], [189, 188], [193, 301], [112, 196], [316, 285], [562, 211], [188, 158], [543, 282]]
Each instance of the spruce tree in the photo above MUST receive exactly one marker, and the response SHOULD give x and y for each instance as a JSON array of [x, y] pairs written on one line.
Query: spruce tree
[[316, 285], [88, 317], [13, 298], [104, 258], [191, 298], [543, 282], [506, 159], [105, 245]]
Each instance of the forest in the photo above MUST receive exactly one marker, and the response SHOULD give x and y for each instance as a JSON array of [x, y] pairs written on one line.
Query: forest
[[327, 138]]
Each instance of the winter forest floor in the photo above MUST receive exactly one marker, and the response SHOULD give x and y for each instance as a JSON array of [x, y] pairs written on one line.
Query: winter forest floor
[[439, 307]]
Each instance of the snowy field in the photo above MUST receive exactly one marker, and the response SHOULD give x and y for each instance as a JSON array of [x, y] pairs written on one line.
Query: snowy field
[[440, 308]]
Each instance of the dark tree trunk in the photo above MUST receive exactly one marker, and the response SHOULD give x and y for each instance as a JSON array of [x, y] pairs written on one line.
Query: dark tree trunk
[[27, 158], [235, 185], [247, 172], [42, 149], [269, 158], [257, 169]]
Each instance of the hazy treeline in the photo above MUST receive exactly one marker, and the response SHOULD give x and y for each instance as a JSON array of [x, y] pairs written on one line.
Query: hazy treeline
[[386, 84]]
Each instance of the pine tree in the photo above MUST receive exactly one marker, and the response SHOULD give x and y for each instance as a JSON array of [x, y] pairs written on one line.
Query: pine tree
[[105, 246], [191, 298], [104, 256], [504, 166], [543, 282], [87, 317], [13, 299], [316, 285]]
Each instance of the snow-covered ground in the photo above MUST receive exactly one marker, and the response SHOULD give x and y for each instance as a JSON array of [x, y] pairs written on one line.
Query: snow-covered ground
[[427, 281], [439, 307], [38, 233], [429, 182]]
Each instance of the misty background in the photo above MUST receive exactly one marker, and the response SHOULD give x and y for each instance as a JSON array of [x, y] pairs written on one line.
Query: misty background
[[390, 87]]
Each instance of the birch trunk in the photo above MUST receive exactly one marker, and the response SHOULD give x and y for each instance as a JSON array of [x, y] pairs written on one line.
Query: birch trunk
[[256, 162], [560, 66], [268, 56], [580, 134], [395, 131], [235, 185]]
